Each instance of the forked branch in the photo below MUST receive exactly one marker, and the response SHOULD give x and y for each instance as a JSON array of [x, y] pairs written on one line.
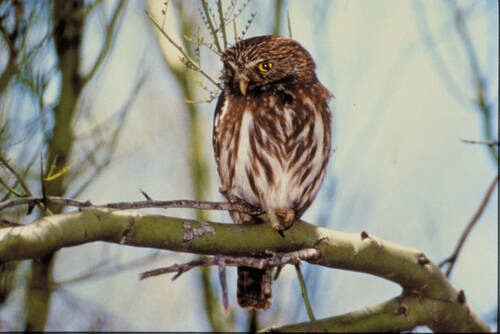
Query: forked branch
[[428, 297]]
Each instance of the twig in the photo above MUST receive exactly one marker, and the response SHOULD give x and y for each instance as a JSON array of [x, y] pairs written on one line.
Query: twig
[[145, 195], [222, 23], [289, 25], [479, 81], [202, 205], [303, 289], [490, 143], [109, 36], [100, 270], [16, 174], [10, 190], [184, 54], [211, 25], [277, 259], [453, 258], [223, 283]]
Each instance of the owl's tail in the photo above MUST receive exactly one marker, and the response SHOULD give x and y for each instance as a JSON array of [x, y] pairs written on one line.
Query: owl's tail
[[254, 288]]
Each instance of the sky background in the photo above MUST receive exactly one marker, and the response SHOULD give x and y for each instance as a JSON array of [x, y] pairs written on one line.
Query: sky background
[[400, 170]]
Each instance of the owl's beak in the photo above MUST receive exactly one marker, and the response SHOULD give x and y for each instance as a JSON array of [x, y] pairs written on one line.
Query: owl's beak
[[243, 86]]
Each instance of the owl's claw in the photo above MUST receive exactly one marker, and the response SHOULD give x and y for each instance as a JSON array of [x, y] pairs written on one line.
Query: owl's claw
[[281, 219]]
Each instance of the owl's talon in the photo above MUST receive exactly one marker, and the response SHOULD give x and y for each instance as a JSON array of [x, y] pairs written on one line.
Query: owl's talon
[[280, 232], [287, 227]]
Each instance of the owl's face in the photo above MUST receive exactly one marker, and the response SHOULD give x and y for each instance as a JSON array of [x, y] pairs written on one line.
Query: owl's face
[[266, 62]]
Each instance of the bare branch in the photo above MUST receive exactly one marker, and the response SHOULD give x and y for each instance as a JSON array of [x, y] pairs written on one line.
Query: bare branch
[[100, 270], [303, 290], [110, 34], [7, 164], [482, 142], [222, 22], [211, 25], [202, 205], [195, 65], [453, 258], [277, 259], [289, 25]]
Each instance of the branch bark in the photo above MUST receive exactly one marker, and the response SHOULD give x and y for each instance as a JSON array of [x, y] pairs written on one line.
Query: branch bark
[[428, 297]]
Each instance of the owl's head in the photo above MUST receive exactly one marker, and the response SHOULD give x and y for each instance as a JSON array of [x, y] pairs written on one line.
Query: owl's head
[[266, 62]]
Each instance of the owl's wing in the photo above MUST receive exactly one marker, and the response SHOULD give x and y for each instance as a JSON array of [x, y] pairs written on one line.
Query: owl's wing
[[215, 131]]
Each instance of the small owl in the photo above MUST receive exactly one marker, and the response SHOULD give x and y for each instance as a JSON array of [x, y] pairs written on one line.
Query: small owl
[[271, 139]]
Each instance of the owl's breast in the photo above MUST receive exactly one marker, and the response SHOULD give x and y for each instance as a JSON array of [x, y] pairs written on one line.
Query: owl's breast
[[272, 154]]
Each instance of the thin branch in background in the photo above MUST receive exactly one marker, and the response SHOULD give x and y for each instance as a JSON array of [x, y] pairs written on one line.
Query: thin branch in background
[[482, 142], [235, 32], [479, 80], [422, 24], [189, 60], [222, 23], [289, 24], [210, 25], [111, 138], [99, 270], [110, 37], [303, 290], [21, 180], [23, 174], [451, 260], [11, 190], [247, 26], [164, 13]]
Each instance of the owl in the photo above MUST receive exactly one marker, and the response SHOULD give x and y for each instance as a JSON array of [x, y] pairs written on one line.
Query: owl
[[271, 140]]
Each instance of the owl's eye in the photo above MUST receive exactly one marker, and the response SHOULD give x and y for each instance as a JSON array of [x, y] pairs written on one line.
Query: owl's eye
[[266, 66]]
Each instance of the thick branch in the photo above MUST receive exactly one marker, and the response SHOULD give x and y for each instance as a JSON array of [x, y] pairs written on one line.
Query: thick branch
[[397, 314], [407, 267]]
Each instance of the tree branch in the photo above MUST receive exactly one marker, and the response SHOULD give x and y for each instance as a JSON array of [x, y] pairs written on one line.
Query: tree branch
[[19, 178], [110, 33], [427, 292], [195, 65], [453, 257], [211, 26], [482, 142], [397, 314], [202, 205], [276, 260]]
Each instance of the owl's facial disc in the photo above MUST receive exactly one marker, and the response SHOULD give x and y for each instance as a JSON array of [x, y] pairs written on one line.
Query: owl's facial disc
[[265, 62]]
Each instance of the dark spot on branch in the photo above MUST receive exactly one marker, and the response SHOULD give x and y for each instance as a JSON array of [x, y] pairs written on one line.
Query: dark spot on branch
[[402, 309], [423, 260], [364, 235], [127, 234], [461, 297]]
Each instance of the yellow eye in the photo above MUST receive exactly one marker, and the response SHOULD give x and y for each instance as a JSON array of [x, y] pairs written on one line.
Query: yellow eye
[[264, 67]]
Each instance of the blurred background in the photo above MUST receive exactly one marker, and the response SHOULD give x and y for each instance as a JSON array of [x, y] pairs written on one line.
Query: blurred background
[[98, 92]]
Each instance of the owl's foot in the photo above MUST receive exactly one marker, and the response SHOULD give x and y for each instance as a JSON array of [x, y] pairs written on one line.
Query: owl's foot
[[281, 219], [233, 199]]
